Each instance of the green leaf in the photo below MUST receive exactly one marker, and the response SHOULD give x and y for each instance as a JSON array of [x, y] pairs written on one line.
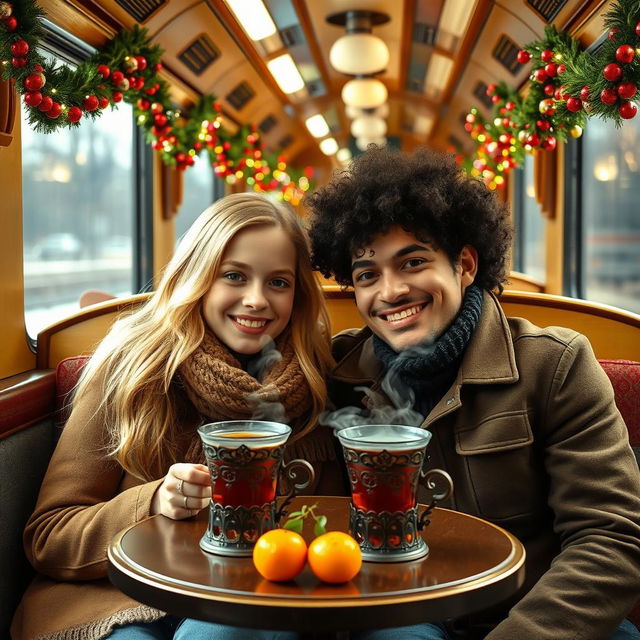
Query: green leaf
[[319, 528], [293, 525], [296, 514]]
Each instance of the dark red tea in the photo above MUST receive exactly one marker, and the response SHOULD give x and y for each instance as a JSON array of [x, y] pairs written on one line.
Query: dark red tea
[[383, 481]]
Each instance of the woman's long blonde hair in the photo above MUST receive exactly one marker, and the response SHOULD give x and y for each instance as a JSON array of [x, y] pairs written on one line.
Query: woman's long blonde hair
[[138, 359]]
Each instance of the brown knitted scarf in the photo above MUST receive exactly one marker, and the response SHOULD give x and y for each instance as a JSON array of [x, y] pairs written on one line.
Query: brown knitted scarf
[[220, 390]]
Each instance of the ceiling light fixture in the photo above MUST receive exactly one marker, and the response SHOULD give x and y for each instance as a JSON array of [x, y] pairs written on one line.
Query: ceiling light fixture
[[317, 126], [438, 73], [455, 17], [364, 93], [368, 127], [286, 74], [359, 52], [344, 155], [329, 146], [254, 18], [380, 112]]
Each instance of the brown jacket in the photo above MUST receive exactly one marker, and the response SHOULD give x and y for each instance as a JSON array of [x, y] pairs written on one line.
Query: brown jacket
[[85, 500], [532, 438]]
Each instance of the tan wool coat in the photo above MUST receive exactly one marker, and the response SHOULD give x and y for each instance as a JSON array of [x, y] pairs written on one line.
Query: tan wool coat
[[530, 433]]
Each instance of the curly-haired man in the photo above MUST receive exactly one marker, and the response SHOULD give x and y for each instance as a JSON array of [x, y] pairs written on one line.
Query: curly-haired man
[[523, 418]]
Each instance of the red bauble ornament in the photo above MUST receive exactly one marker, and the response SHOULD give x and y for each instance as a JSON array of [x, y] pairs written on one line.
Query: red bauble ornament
[[143, 104], [584, 93], [20, 48], [46, 103], [34, 81], [55, 111], [627, 110], [157, 145], [142, 62], [495, 98], [608, 96], [549, 143], [33, 98], [625, 53], [11, 24], [510, 105], [523, 56], [540, 75], [160, 119], [533, 140], [612, 72], [38, 68], [561, 68], [117, 77], [104, 71], [158, 66], [18, 62], [638, 29], [156, 107], [626, 90], [74, 114], [549, 89], [490, 89], [150, 91], [91, 103], [546, 55], [543, 125], [574, 104], [117, 96], [103, 103], [612, 33], [551, 69], [197, 146]]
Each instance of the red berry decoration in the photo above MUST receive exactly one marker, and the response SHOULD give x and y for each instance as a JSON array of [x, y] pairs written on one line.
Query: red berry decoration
[[612, 33], [626, 90], [150, 91], [103, 103], [55, 111], [625, 53], [91, 103], [608, 96], [551, 69], [533, 140], [574, 104], [46, 103], [74, 114], [143, 104], [117, 77], [546, 55], [540, 75], [104, 71], [158, 66], [523, 56], [562, 68], [34, 81], [11, 24], [38, 68], [549, 89], [543, 125], [33, 98], [18, 62], [612, 72], [117, 96], [549, 143], [510, 106], [490, 89], [638, 29], [495, 98], [627, 110], [142, 62], [584, 93], [156, 107], [160, 119], [20, 48]]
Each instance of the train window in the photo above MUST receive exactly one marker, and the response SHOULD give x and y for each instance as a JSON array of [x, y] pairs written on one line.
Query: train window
[[529, 250], [78, 204], [610, 221], [201, 188]]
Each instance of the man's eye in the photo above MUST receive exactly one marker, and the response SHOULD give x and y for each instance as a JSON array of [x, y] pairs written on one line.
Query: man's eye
[[234, 276], [280, 283], [364, 276], [414, 262]]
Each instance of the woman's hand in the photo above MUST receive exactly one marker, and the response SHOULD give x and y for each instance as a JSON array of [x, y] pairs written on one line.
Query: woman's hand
[[186, 489]]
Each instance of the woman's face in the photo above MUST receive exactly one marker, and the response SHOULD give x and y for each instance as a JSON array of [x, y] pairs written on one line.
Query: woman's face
[[251, 298]]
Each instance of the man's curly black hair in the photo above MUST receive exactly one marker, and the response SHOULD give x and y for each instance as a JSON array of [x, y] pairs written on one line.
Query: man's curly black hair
[[425, 193]]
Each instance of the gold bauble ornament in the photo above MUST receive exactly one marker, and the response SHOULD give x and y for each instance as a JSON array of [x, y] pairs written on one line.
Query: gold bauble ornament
[[131, 64], [6, 10], [522, 135], [575, 131]]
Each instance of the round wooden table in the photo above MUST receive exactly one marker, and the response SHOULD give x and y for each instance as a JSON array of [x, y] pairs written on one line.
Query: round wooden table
[[472, 564]]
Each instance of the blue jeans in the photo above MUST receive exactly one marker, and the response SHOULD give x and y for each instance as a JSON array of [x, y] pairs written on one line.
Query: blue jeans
[[170, 628]]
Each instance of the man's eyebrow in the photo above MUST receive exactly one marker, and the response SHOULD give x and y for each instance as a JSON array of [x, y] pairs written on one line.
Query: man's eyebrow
[[358, 264], [411, 248]]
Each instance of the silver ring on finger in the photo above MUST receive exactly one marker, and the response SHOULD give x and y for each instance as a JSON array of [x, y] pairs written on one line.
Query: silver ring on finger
[[186, 500], [179, 487]]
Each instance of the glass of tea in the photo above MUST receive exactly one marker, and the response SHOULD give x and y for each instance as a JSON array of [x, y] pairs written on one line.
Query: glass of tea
[[385, 465], [245, 461]]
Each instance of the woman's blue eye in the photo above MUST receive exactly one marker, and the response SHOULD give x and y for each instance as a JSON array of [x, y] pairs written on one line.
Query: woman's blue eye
[[280, 283], [234, 276]]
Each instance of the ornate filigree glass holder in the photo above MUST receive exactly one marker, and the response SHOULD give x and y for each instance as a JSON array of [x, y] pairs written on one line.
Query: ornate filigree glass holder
[[385, 463], [245, 460]]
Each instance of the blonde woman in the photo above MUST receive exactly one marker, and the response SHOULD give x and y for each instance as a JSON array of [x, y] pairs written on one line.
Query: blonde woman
[[240, 279]]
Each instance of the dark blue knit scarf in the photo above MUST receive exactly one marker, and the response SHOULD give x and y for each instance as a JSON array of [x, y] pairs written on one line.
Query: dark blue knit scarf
[[429, 369]]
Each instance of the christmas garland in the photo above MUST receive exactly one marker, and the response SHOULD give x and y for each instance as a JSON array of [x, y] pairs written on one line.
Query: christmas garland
[[567, 87], [127, 69]]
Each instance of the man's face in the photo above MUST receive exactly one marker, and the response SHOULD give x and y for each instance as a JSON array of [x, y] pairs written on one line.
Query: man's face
[[406, 289]]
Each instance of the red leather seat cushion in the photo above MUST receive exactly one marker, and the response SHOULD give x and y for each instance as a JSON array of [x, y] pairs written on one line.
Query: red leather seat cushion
[[67, 375], [625, 378]]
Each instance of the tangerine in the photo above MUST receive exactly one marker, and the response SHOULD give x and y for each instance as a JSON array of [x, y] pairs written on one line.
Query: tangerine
[[334, 557], [280, 554]]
